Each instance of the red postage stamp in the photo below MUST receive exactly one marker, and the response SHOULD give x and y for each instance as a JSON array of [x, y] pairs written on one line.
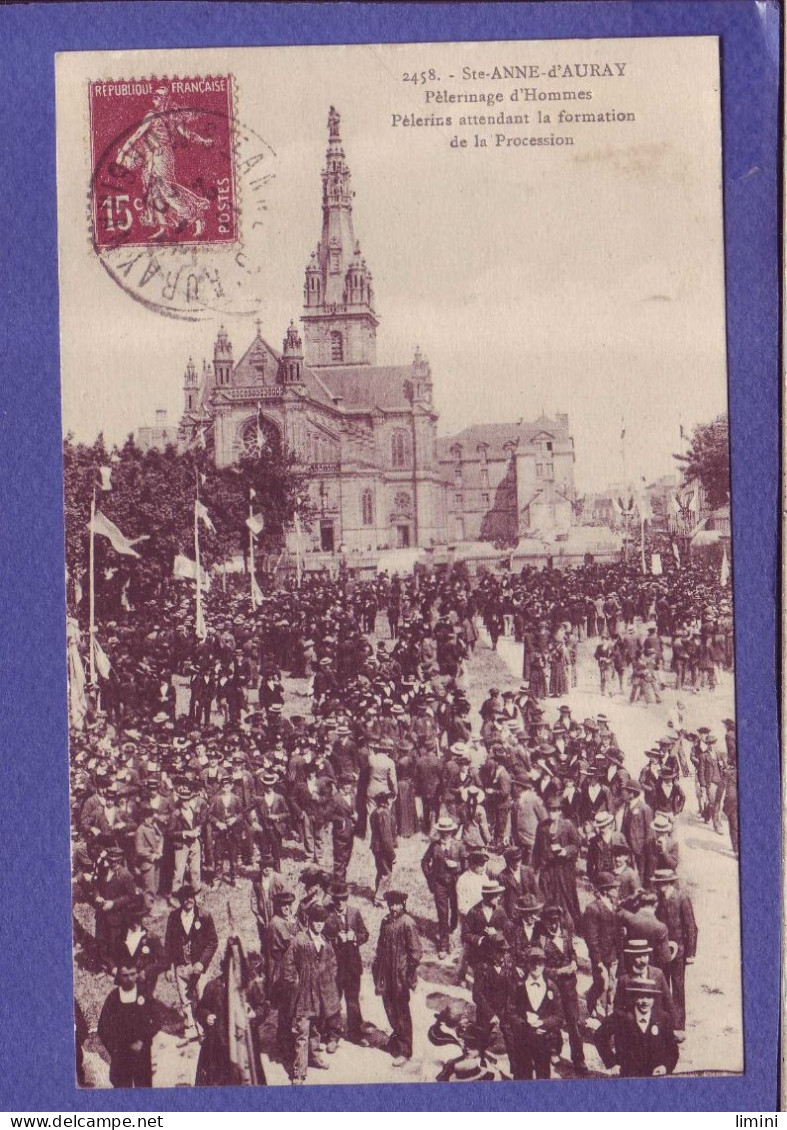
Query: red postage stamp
[[163, 162]]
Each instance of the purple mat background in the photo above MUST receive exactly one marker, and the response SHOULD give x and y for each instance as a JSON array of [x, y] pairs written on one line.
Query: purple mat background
[[38, 1071]]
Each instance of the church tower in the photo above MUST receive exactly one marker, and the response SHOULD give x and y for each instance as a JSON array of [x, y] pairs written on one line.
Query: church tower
[[339, 322], [190, 388]]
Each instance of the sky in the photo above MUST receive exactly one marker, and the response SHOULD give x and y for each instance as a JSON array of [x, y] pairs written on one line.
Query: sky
[[587, 279]]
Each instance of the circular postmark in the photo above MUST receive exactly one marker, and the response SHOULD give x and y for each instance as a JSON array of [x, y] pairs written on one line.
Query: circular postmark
[[179, 195]]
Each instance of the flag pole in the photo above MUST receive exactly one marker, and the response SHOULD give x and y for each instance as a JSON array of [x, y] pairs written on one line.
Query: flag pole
[[92, 629], [251, 552], [642, 540], [198, 622]]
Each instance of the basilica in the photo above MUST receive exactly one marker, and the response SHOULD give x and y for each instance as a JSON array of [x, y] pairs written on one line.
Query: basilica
[[380, 475]]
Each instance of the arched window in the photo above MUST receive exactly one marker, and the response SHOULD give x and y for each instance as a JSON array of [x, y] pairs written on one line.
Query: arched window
[[367, 508], [337, 346], [400, 448]]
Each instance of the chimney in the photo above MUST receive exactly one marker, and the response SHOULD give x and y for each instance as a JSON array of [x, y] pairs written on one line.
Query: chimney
[[161, 417]]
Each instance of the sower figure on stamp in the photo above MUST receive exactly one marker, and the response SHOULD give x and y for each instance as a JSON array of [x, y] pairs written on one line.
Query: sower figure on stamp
[[395, 972], [166, 203]]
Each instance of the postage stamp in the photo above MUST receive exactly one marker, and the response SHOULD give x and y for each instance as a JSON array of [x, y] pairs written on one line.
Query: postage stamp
[[163, 161]]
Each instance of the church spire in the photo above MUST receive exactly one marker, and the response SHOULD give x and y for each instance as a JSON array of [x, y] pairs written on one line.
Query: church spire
[[339, 320]]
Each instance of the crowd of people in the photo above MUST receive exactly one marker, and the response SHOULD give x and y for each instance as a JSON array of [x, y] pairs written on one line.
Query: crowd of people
[[193, 768]]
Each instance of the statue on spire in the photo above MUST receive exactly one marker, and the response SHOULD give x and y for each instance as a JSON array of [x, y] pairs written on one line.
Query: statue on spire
[[333, 124]]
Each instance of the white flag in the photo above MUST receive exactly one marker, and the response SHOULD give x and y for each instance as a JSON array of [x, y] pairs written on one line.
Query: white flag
[[203, 515], [724, 575], [103, 666], [120, 543], [256, 524], [186, 569], [676, 552], [256, 593], [77, 699], [655, 565], [106, 478]]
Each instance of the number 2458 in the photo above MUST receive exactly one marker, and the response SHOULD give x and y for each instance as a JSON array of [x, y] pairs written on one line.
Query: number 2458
[[420, 76]]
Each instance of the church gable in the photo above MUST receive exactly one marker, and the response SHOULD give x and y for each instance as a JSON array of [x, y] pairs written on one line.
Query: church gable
[[259, 365]]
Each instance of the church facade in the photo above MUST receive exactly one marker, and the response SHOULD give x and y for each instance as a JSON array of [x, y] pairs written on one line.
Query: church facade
[[379, 475]]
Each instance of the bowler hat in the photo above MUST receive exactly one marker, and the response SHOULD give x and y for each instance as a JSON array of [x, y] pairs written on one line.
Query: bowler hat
[[395, 898], [605, 881], [528, 904]]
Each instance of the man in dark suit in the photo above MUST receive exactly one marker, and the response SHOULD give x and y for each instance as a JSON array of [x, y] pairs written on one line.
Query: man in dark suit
[[601, 845], [428, 776], [309, 979], [636, 964], [642, 923], [115, 890], [677, 913], [639, 1042], [601, 929], [346, 930], [517, 879], [635, 826], [485, 921], [126, 1028], [532, 1030], [395, 972], [190, 942]]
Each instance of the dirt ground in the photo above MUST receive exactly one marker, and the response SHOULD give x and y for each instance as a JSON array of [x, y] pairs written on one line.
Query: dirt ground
[[708, 868]]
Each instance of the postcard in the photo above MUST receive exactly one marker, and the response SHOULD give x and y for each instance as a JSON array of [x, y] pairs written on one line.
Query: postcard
[[398, 563]]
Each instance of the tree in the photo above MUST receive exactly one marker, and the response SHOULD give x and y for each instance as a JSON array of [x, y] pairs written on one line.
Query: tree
[[153, 495], [708, 460]]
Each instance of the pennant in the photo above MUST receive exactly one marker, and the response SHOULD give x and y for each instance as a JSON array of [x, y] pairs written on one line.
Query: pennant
[[186, 569], [256, 524], [124, 601], [676, 552], [256, 592], [197, 440], [103, 666], [77, 698], [120, 543], [106, 477], [202, 479], [252, 494], [724, 573], [199, 626], [203, 515]]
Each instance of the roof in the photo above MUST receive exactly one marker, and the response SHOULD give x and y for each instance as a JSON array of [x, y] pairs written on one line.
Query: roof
[[366, 387], [496, 436]]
